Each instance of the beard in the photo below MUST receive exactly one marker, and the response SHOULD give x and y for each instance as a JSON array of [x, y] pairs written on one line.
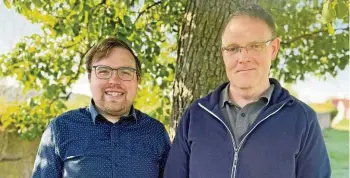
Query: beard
[[114, 108]]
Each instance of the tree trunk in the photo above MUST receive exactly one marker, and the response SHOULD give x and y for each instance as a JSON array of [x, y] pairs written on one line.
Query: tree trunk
[[199, 66]]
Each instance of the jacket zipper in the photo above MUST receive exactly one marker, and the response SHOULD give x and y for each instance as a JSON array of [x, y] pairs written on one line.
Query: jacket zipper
[[236, 150], [233, 141]]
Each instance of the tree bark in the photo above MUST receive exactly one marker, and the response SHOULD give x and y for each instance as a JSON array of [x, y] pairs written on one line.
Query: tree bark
[[199, 66]]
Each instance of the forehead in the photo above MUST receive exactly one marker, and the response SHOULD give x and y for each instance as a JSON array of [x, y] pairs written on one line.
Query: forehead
[[245, 29], [117, 57]]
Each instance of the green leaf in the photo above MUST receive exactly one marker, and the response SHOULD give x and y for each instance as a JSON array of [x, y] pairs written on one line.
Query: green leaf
[[342, 10], [327, 13], [37, 3], [7, 4], [330, 29]]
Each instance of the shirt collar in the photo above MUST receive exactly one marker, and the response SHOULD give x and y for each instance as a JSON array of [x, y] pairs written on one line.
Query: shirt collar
[[94, 113], [268, 93], [225, 98]]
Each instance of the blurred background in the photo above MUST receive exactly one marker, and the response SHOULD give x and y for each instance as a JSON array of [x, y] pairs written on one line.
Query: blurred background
[[42, 74]]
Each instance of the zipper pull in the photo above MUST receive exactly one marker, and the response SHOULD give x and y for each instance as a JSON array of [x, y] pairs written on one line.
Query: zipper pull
[[235, 159]]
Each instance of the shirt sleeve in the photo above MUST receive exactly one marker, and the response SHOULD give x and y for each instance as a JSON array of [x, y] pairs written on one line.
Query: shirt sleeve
[[313, 160], [178, 161], [47, 162]]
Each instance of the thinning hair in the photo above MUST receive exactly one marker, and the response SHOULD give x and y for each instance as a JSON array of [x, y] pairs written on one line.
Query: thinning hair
[[254, 11]]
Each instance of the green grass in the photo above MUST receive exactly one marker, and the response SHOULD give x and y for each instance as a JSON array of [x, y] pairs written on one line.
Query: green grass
[[342, 125], [78, 101], [337, 142]]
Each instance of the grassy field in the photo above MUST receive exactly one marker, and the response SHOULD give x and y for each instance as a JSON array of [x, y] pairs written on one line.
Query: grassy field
[[337, 142]]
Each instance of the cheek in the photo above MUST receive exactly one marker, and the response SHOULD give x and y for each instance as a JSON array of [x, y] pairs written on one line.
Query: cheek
[[97, 87], [229, 62], [132, 90]]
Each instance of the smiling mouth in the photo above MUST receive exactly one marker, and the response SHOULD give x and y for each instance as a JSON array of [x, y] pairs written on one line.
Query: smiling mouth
[[115, 94]]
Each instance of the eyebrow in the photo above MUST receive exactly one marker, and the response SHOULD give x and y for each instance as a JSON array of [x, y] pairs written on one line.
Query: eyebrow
[[252, 42]]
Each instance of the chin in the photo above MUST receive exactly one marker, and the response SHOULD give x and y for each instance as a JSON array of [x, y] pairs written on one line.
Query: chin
[[245, 86], [242, 84], [116, 110]]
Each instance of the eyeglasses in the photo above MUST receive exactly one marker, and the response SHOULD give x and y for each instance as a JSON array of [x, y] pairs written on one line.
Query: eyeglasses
[[253, 49], [106, 72]]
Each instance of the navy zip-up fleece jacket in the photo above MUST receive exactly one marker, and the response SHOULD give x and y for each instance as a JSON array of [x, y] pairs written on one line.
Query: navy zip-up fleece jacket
[[285, 141]]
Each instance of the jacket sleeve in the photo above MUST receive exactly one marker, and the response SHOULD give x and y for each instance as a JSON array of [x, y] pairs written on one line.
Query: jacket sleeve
[[178, 161], [47, 162], [313, 160]]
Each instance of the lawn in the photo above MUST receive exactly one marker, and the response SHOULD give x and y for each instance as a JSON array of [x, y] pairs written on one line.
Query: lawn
[[337, 142]]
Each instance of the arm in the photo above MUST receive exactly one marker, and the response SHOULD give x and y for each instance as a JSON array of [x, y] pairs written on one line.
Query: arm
[[178, 161], [47, 162], [312, 160]]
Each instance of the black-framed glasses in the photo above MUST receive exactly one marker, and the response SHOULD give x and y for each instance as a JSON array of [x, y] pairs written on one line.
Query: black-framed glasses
[[106, 72], [253, 48]]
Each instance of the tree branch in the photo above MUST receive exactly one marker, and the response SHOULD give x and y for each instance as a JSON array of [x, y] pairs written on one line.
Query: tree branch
[[10, 158], [78, 72], [69, 46], [132, 3], [98, 5], [74, 78], [147, 8], [308, 35]]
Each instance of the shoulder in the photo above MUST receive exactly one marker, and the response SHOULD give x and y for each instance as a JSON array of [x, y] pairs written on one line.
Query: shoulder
[[306, 111], [72, 116], [148, 121]]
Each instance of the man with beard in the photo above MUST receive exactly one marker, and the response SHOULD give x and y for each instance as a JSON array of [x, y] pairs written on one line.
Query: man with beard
[[110, 138]]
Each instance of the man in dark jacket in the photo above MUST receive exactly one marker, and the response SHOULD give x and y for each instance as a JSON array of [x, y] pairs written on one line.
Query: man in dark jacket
[[249, 127]]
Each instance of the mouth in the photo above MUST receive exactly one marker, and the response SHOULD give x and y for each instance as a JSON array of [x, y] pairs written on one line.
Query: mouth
[[114, 94], [244, 70]]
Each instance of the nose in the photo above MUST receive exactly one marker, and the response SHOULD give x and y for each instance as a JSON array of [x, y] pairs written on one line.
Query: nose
[[243, 55], [114, 78]]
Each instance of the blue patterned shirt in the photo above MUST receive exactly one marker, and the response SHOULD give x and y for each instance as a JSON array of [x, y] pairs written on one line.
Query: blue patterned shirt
[[82, 143]]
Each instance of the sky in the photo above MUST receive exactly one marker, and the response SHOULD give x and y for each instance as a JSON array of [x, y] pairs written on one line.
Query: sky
[[14, 26]]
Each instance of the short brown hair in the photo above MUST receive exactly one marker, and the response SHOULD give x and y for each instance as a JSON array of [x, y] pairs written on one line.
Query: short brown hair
[[104, 48], [254, 11]]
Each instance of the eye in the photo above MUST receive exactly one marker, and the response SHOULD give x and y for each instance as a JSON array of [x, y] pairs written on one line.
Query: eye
[[103, 71], [232, 49], [256, 47], [125, 72]]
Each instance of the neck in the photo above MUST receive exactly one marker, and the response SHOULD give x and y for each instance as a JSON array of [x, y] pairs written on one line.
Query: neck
[[112, 117], [244, 96]]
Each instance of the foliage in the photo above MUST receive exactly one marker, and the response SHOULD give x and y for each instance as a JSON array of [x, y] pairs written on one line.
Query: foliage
[[77, 101], [51, 63], [307, 44]]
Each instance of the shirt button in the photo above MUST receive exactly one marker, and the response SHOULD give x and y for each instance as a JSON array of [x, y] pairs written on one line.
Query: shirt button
[[243, 114]]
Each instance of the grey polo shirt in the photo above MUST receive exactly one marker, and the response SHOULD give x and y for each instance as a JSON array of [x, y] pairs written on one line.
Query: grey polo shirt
[[239, 119]]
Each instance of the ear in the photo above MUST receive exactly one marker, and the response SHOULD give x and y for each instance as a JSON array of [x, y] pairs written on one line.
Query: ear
[[275, 44]]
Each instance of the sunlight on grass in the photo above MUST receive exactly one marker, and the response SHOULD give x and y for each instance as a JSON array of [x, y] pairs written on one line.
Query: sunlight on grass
[[77, 101], [342, 125], [337, 142]]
